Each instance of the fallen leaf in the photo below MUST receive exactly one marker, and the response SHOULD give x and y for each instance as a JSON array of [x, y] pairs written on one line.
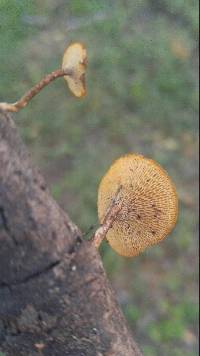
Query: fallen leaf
[[179, 49]]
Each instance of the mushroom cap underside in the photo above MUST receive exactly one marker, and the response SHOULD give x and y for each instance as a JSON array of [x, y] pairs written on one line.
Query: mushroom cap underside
[[149, 203], [75, 60]]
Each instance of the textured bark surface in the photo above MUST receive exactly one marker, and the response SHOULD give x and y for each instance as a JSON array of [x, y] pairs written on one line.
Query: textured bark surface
[[54, 295]]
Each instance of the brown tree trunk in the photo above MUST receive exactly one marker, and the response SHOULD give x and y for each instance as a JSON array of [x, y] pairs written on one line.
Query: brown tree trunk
[[54, 295]]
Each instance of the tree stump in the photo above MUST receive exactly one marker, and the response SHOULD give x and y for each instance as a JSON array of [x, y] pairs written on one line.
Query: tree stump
[[55, 298]]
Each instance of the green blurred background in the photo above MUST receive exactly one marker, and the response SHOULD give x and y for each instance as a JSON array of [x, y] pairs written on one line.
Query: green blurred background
[[142, 97]]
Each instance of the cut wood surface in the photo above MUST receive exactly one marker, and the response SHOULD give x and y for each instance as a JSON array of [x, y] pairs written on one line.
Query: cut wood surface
[[55, 298]]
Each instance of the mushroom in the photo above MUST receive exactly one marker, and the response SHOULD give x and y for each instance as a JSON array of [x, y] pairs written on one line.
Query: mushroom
[[73, 70], [75, 61], [147, 205]]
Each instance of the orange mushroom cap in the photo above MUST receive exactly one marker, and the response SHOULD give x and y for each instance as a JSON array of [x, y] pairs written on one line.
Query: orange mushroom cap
[[75, 60], [149, 204]]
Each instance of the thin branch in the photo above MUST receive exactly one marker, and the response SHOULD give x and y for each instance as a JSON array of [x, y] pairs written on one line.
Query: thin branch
[[24, 100]]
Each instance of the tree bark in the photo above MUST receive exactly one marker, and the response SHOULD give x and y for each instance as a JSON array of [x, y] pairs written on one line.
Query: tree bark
[[54, 295]]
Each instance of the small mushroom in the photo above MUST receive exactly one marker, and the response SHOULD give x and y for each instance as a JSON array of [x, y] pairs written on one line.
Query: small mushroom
[[148, 201], [73, 70], [75, 61]]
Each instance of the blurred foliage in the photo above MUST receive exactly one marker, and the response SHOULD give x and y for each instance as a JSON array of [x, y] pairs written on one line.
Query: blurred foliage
[[142, 97]]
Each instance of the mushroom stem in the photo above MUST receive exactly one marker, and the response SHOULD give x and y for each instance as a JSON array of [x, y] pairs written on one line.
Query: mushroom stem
[[101, 232], [24, 100], [108, 221]]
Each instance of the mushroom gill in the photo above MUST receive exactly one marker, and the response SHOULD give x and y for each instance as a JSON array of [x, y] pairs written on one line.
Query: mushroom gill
[[149, 204]]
